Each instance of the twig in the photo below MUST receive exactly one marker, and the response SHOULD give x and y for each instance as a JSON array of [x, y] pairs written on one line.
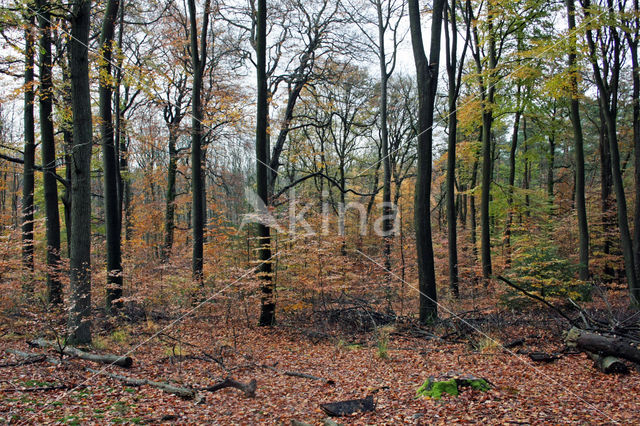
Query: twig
[[43, 388], [31, 360], [296, 374]]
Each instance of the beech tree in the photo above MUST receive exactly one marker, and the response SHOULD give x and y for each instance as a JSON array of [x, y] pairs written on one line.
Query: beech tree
[[427, 76], [109, 160], [80, 262], [29, 151], [198, 61], [268, 304], [46, 96], [583, 230]]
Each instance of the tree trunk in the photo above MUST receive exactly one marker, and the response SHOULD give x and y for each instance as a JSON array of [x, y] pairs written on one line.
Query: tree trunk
[[472, 212], [451, 59], [29, 151], [67, 135], [427, 75], [54, 285], [550, 173], [121, 143], [487, 160], [80, 265], [633, 39], [583, 229], [387, 211], [268, 304], [512, 181], [110, 162], [606, 203], [526, 181], [199, 60], [603, 345], [169, 216]]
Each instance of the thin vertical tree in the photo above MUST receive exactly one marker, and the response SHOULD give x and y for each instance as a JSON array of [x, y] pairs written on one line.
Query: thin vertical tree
[[583, 227], [268, 305], [54, 285], [454, 68], [110, 160], [198, 60], [29, 149], [633, 38], [427, 75]]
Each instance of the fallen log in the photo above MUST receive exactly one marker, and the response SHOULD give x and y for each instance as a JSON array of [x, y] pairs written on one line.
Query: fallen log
[[185, 393], [249, 389], [608, 364], [109, 359], [179, 391], [603, 350], [603, 345]]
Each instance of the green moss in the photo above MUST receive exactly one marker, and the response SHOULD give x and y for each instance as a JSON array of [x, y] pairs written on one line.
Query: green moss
[[480, 384], [435, 390]]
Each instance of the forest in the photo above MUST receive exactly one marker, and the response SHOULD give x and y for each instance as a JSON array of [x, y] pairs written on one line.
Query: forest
[[319, 212]]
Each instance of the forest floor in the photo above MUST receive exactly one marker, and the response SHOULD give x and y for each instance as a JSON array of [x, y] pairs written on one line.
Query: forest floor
[[390, 363]]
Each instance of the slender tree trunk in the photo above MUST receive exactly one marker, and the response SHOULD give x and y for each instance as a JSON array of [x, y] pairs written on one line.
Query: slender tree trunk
[[633, 39], [427, 75], [110, 162], [512, 180], [29, 151], [199, 60], [472, 212], [550, 174], [606, 204], [487, 122], [169, 216], [268, 303], [67, 135], [67, 200], [451, 39], [387, 211], [526, 181], [118, 131], [54, 285], [80, 265]]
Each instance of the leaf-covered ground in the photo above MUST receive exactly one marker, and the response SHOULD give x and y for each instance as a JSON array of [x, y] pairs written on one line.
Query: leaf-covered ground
[[203, 350]]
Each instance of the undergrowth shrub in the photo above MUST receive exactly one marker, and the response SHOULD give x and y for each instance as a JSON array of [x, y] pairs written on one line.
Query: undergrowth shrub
[[538, 267]]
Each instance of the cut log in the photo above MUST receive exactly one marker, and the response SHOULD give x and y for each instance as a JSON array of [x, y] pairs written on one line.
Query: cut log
[[602, 345], [608, 364], [345, 408], [109, 359], [249, 389]]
